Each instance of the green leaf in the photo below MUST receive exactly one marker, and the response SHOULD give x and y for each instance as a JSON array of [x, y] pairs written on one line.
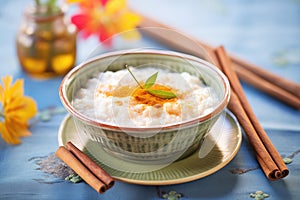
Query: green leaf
[[162, 94], [287, 160], [150, 81], [75, 178]]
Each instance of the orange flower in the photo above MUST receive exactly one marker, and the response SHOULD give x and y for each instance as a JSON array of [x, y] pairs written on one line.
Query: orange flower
[[15, 111], [105, 18]]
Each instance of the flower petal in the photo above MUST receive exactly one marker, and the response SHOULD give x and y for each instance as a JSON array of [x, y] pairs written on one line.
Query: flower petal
[[74, 1], [16, 129], [90, 4], [128, 20], [1, 94], [103, 35], [16, 89], [10, 92], [80, 21], [21, 109], [127, 24], [115, 6], [104, 2], [8, 138], [6, 80], [4, 89]]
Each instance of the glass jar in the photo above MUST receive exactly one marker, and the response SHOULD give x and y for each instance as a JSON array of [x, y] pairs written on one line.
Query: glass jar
[[46, 42]]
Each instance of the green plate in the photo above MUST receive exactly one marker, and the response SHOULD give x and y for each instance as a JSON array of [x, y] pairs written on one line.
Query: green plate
[[217, 150]]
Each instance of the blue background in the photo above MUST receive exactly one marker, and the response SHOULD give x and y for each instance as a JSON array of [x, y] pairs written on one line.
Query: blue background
[[266, 33]]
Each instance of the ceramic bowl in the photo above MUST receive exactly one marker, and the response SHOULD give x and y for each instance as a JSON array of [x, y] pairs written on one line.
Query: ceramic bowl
[[156, 144]]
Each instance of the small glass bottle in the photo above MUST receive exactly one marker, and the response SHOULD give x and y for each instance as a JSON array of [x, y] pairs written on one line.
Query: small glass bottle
[[46, 42]]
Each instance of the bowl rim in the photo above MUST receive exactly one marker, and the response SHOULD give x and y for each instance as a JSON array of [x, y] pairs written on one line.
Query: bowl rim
[[186, 123]]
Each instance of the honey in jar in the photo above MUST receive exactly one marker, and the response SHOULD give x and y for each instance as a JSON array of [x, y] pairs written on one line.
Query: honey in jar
[[46, 42]]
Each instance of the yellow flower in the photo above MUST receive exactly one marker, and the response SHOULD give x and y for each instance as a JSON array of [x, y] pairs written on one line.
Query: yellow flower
[[15, 110]]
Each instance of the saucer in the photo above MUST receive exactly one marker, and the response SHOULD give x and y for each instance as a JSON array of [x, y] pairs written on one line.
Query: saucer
[[217, 150]]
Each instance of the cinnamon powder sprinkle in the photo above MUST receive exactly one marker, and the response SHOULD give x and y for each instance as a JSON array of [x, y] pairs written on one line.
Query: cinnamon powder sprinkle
[[141, 96]]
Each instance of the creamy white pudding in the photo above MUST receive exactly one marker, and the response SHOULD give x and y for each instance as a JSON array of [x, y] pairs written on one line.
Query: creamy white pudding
[[115, 98]]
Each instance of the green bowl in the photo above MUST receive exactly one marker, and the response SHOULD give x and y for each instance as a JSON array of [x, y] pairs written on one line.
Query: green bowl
[[155, 144]]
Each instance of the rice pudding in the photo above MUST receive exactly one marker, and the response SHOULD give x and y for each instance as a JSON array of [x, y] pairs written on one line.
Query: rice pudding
[[115, 98]]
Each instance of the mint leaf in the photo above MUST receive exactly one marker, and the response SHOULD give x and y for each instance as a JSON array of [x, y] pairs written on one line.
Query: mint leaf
[[162, 94], [150, 81]]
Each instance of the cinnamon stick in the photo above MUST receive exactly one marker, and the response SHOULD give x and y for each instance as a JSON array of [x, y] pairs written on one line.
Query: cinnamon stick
[[91, 165], [265, 160], [268, 87], [239, 98], [67, 157], [288, 85], [177, 41]]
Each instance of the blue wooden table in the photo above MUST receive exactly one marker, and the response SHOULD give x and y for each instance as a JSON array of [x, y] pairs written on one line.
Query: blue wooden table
[[264, 32]]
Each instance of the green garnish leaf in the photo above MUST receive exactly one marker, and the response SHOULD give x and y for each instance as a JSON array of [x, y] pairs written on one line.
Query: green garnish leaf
[[162, 94], [150, 81]]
